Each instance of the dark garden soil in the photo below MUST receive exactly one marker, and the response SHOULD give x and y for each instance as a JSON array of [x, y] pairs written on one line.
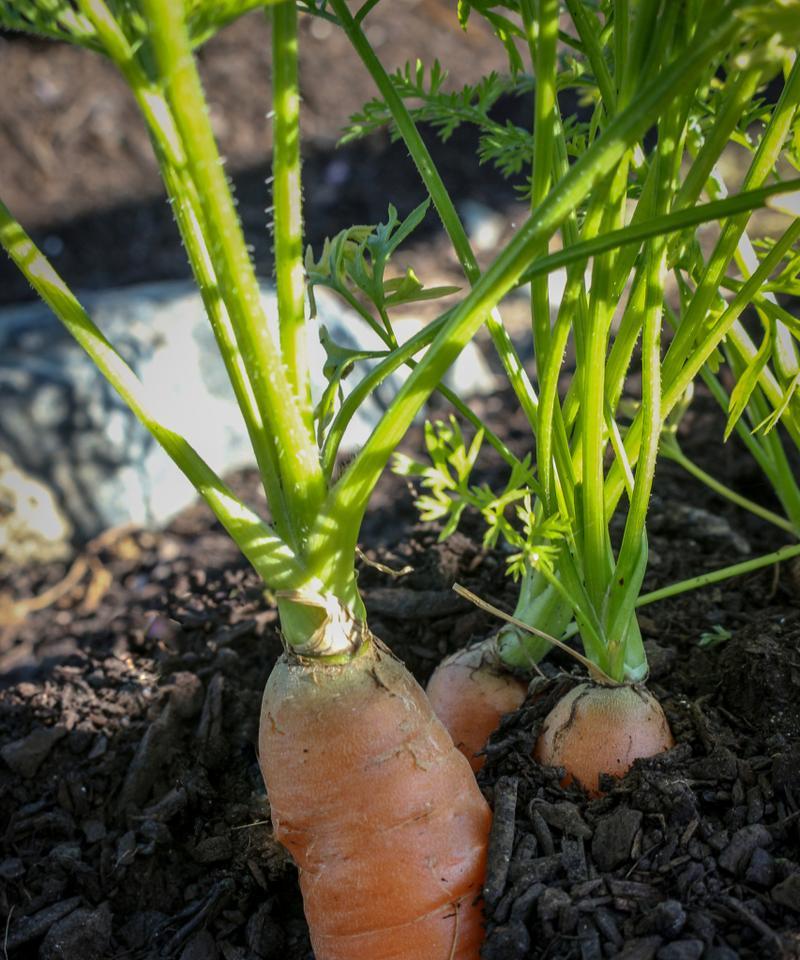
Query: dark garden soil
[[134, 820]]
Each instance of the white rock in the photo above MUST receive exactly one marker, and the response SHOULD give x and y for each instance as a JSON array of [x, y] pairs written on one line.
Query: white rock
[[67, 429]]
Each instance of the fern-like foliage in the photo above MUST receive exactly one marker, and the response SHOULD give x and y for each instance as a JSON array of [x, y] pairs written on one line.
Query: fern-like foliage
[[53, 19], [63, 19], [505, 145], [509, 515]]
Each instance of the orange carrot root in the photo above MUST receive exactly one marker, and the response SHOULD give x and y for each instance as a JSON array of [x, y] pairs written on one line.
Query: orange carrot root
[[596, 729], [379, 810], [470, 692]]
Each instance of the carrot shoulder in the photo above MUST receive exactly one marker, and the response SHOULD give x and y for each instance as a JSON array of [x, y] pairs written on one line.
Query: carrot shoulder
[[379, 810]]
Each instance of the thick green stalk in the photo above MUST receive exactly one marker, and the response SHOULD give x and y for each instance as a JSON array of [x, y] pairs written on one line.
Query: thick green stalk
[[766, 449], [589, 32], [594, 525], [625, 583], [738, 96], [621, 31], [673, 222], [287, 205], [301, 472], [541, 33], [347, 501], [542, 606], [186, 207], [270, 556]]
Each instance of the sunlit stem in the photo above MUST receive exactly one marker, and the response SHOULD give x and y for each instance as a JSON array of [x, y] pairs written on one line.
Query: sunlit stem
[[301, 473], [717, 576], [287, 204]]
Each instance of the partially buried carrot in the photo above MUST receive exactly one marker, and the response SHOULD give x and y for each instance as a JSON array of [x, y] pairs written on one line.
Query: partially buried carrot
[[470, 692], [379, 810], [598, 729]]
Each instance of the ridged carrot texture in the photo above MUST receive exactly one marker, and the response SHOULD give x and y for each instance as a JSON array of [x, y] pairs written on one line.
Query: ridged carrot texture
[[379, 810], [598, 729], [470, 692]]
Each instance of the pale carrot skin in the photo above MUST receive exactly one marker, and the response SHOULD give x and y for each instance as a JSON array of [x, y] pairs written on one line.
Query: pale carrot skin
[[470, 692], [599, 729], [380, 812]]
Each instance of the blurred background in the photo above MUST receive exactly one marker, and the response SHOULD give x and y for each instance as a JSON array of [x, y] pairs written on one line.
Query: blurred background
[[77, 169]]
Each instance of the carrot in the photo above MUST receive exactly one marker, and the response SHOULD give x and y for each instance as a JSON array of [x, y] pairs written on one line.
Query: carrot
[[470, 691], [602, 729], [379, 810]]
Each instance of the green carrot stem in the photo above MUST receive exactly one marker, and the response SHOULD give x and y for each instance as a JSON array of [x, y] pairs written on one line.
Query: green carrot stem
[[589, 32], [677, 383], [541, 33], [301, 472], [674, 222], [288, 205], [518, 378], [348, 499]]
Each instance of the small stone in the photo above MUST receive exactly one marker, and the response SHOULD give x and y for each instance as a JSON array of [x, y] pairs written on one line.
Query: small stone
[[83, 933], [543, 869], [565, 817], [508, 941], [26, 755], [142, 928], [524, 854], [501, 839], [681, 950], [721, 953], [613, 838], [200, 946], [761, 870], [213, 850], [721, 765], [787, 892], [589, 940], [186, 695], [736, 856], [551, 902], [607, 925], [12, 869], [786, 768], [32, 927], [265, 937], [645, 948], [667, 918], [573, 859], [93, 830]]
